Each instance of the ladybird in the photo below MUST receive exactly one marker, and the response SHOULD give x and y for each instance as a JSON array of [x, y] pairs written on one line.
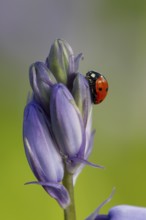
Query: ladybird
[[98, 86]]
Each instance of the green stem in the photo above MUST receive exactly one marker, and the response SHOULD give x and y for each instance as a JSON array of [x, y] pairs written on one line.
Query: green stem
[[69, 212]]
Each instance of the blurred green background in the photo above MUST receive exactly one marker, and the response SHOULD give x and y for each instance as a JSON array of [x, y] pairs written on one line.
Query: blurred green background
[[112, 36]]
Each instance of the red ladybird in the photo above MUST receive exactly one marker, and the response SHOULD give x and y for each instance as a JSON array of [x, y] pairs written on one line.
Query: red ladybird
[[98, 86]]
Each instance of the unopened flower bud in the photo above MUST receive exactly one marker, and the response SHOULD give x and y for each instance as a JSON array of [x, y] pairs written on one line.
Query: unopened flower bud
[[58, 60], [41, 80], [66, 121], [42, 155]]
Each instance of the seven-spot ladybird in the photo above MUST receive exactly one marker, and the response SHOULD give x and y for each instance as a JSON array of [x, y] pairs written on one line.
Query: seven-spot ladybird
[[98, 86]]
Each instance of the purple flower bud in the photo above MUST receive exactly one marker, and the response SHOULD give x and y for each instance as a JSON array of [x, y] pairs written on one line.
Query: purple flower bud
[[41, 153], [81, 94], [66, 121], [41, 80]]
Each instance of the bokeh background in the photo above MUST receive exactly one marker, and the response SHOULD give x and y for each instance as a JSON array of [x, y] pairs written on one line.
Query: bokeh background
[[112, 36]]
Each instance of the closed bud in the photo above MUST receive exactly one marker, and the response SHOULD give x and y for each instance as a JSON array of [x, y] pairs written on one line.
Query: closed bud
[[58, 60], [81, 94], [66, 121], [41, 80], [42, 155]]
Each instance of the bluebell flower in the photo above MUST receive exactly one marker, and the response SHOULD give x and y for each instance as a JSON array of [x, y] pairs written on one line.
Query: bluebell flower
[[58, 120], [64, 94]]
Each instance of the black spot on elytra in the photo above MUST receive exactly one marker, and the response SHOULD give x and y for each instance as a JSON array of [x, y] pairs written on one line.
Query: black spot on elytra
[[100, 89]]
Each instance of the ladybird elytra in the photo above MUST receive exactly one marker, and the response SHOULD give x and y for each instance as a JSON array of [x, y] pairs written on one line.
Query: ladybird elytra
[[98, 86]]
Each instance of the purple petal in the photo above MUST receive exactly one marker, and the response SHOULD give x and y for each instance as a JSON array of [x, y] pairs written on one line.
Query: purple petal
[[89, 145], [57, 191], [66, 121], [74, 63], [81, 94], [127, 212], [89, 136], [43, 74], [40, 149], [87, 151], [124, 212], [41, 80]]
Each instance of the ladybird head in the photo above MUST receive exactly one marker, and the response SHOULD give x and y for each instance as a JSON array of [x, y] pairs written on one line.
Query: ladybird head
[[92, 75]]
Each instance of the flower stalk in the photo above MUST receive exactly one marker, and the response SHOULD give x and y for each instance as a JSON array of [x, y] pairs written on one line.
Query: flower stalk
[[69, 212]]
